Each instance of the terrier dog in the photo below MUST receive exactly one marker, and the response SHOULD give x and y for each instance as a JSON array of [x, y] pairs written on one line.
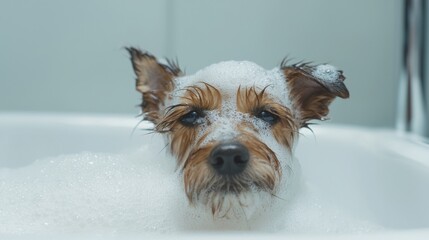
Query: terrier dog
[[232, 126]]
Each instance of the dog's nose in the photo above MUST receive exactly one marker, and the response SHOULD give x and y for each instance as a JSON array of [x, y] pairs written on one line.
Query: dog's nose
[[229, 158]]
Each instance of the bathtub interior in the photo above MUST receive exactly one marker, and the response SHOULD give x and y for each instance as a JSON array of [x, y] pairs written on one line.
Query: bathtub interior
[[374, 174], [371, 174]]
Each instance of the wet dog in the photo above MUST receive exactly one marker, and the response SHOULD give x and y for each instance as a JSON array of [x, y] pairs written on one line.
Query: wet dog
[[232, 126]]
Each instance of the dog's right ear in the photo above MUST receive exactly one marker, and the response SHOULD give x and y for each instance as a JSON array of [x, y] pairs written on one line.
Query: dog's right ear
[[154, 80]]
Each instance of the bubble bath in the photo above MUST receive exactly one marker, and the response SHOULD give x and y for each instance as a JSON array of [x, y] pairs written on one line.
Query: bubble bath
[[140, 190], [137, 192]]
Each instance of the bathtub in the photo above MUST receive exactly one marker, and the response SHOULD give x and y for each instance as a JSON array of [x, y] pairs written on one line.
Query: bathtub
[[374, 174]]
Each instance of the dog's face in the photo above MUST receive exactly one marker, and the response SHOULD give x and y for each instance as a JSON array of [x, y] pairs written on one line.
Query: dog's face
[[232, 126]]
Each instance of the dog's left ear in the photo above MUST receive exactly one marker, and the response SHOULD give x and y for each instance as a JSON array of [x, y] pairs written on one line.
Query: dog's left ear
[[312, 89], [154, 81]]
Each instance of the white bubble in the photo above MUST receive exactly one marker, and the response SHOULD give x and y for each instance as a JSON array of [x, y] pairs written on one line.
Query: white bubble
[[326, 73]]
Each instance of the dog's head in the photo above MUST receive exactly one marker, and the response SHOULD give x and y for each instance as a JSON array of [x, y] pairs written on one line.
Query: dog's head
[[232, 126]]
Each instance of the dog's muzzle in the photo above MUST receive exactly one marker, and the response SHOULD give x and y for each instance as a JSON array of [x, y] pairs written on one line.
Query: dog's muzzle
[[229, 158]]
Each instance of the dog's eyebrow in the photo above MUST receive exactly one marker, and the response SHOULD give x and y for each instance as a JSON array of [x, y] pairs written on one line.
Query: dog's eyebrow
[[205, 97], [251, 99], [170, 108]]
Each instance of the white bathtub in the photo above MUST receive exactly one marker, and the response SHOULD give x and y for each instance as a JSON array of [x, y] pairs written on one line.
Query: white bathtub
[[373, 174]]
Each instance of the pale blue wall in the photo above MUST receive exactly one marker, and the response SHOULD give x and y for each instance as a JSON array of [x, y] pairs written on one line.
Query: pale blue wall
[[67, 56]]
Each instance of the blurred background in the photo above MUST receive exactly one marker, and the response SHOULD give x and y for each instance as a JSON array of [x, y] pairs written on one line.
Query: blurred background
[[68, 56]]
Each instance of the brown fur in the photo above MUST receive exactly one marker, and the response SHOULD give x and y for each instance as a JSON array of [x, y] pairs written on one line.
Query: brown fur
[[311, 96], [251, 101], [182, 138], [202, 181], [154, 81], [204, 98]]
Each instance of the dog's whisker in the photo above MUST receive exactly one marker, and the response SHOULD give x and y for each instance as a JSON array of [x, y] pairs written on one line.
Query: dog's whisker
[[150, 132], [276, 196], [135, 127], [244, 214], [166, 145]]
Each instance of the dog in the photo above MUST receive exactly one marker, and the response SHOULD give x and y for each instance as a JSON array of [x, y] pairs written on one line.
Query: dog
[[232, 126]]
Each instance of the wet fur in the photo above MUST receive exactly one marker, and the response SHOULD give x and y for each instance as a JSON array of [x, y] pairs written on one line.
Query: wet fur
[[192, 145]]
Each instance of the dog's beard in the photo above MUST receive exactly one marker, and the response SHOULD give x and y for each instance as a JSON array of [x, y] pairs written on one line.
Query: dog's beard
[[241, 197], [228, 196], [238, 196], [232, 204]]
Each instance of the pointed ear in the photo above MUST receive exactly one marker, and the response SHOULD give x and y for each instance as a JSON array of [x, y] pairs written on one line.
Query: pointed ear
[[313, 88], [154, 80]]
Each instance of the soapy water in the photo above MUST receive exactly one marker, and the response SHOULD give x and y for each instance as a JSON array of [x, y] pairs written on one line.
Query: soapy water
[[137, 192]]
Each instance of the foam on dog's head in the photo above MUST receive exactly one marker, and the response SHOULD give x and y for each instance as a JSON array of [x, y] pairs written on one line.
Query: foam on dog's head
[[228, 76]]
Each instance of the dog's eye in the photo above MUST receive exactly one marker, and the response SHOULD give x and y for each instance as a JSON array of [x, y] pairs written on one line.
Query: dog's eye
[[191, 118], [267, 117]]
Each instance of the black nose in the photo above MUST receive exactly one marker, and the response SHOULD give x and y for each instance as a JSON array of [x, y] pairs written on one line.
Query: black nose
[[229, 158]]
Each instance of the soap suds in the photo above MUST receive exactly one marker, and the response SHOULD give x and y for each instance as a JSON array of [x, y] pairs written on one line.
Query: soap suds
[[326, 73], [87, 192], [136, 192], [229, 75]]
